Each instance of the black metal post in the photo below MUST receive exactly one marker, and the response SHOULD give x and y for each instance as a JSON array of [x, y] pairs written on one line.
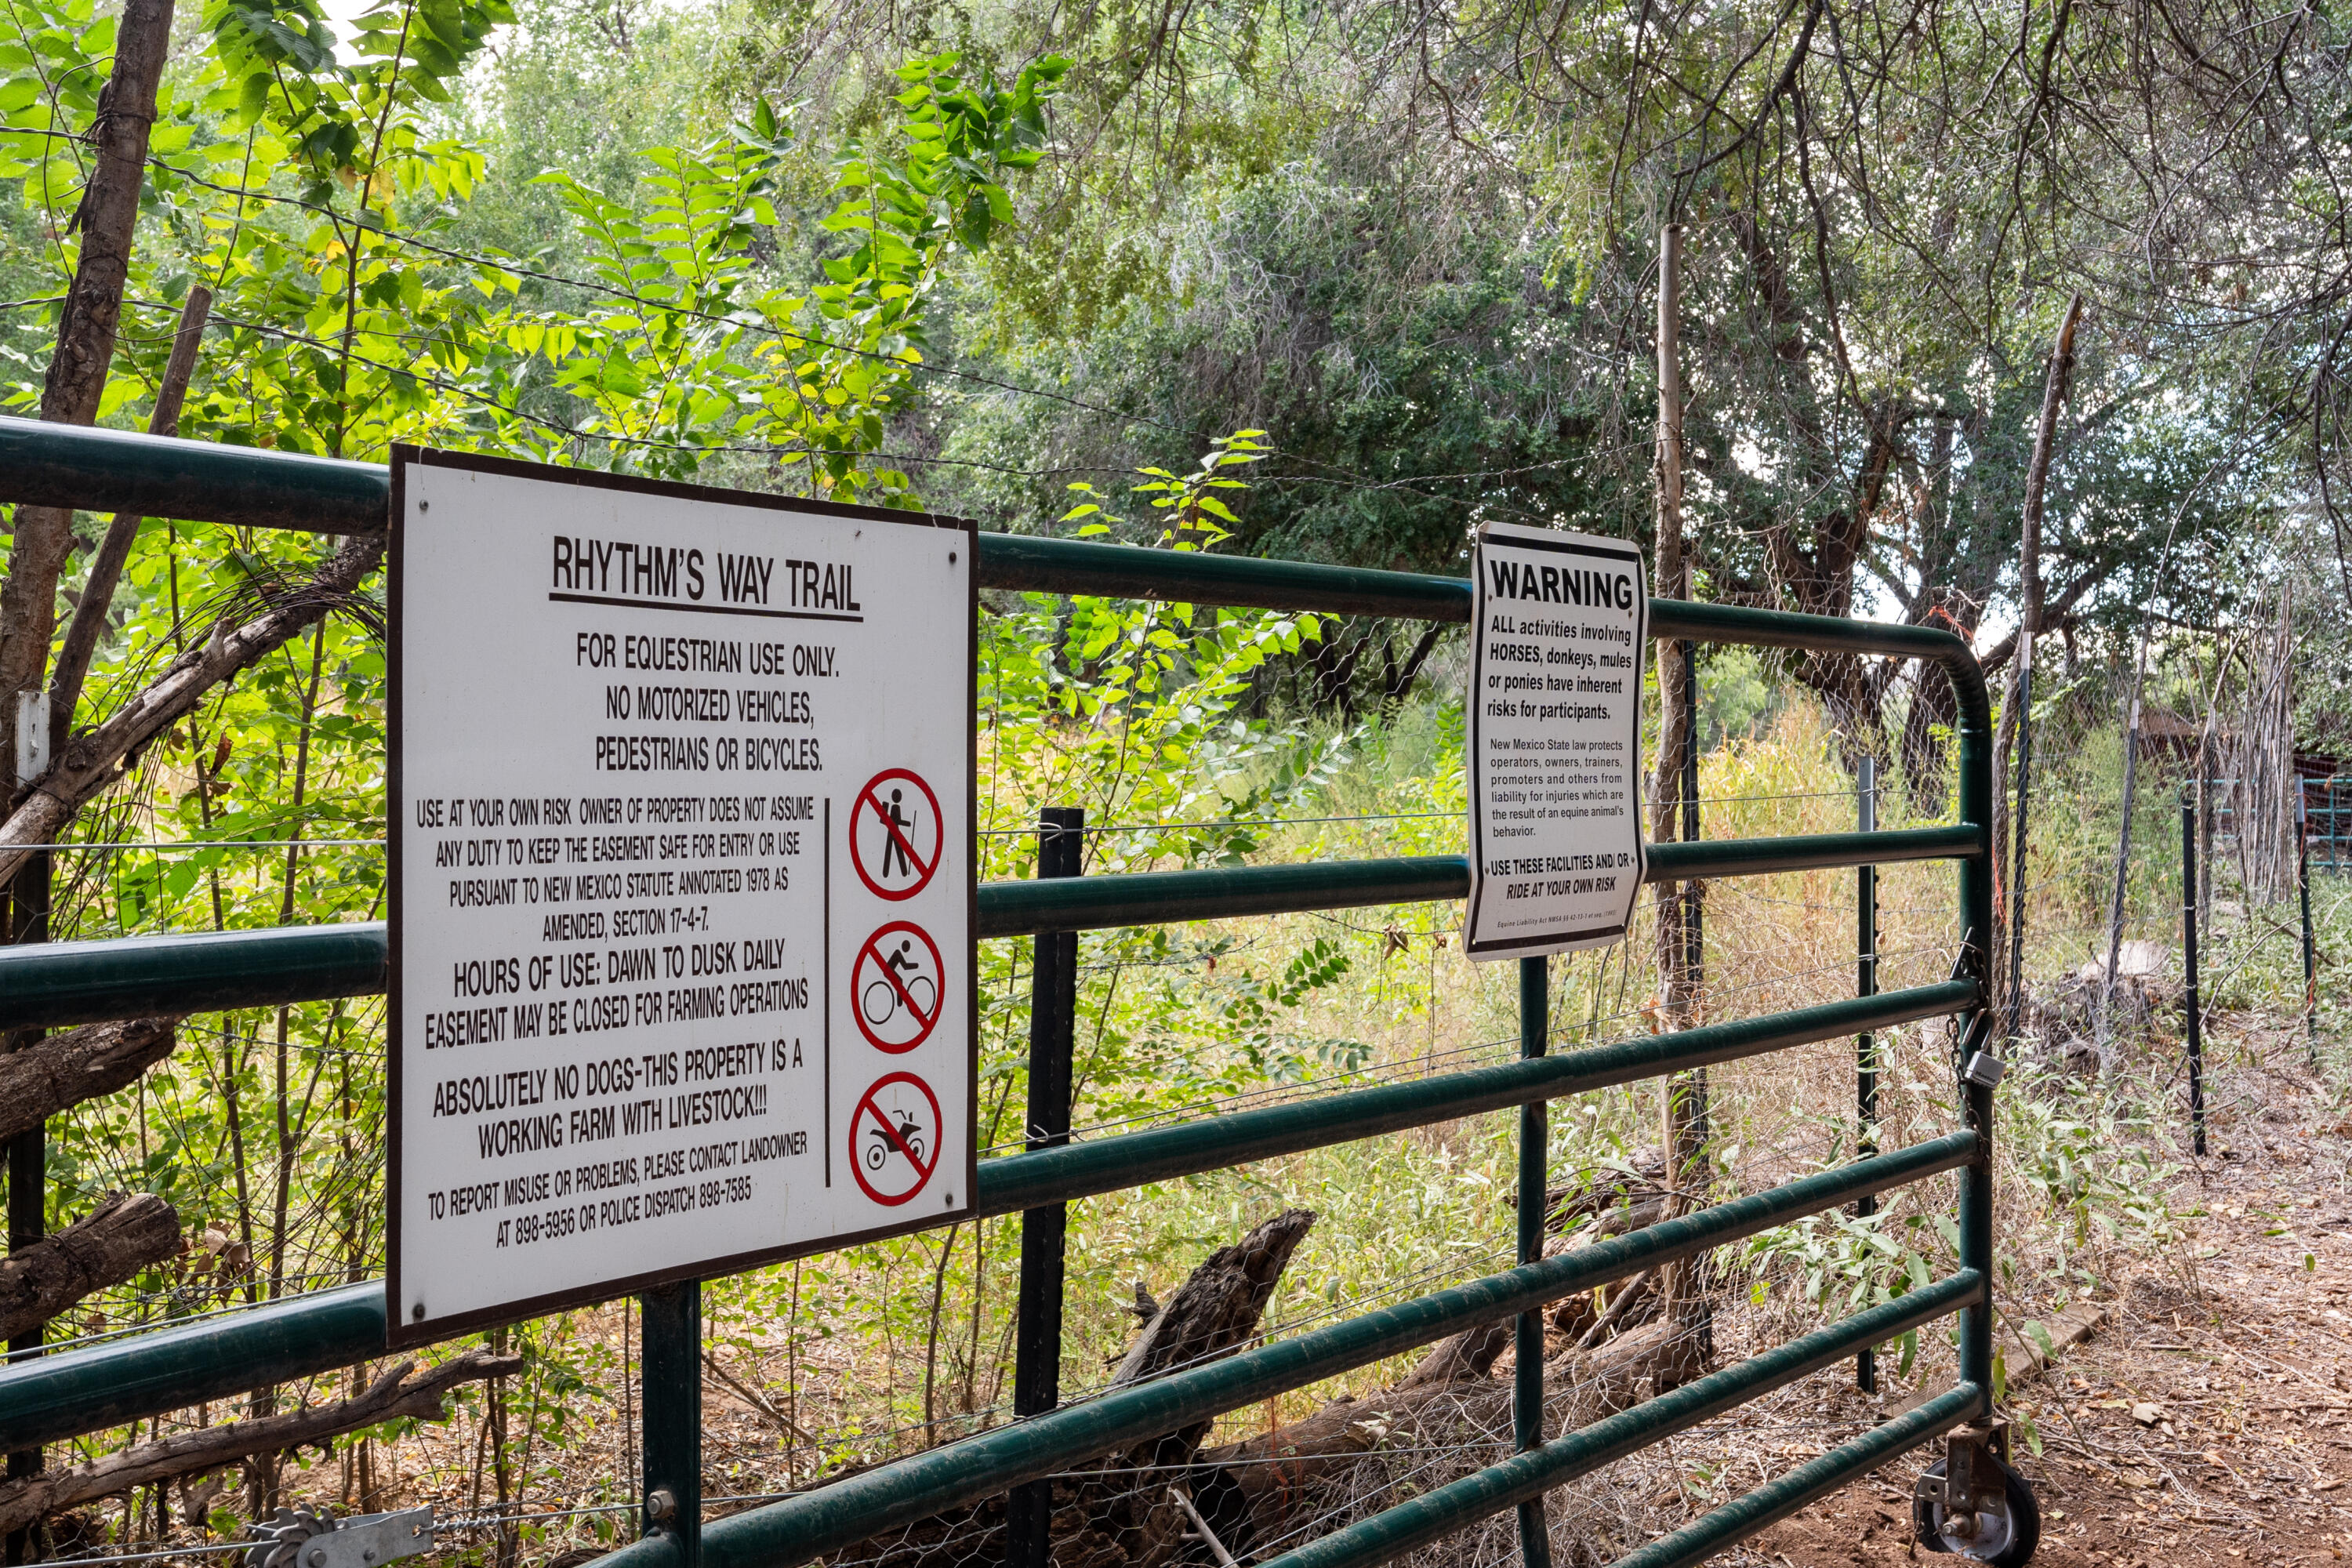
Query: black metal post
[[1038, 1336], [672, 1411], [1535, 1186], [26, 911], [2303, 888], [2205, 815], [1865, 1046], [2189, 965]]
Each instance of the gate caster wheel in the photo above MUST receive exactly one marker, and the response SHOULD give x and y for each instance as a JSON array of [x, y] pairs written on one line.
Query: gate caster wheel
[[2005, 1536]]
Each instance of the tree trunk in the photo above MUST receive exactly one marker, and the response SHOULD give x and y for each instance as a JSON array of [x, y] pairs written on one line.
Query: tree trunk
[[2104, 1038], [1673, 583], [123, 1234], [77, 375], [65, 1069], [1671, 810], [2018, 690]]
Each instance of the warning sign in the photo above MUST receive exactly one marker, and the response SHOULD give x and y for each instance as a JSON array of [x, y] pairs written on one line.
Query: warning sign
[[1558, 628], [899, 978], [895, 834], [682, 884], [894, 1139]]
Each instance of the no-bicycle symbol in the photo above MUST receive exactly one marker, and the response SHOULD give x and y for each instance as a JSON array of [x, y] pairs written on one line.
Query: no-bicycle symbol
[[898, 980], [895, 834], [894, 1138]]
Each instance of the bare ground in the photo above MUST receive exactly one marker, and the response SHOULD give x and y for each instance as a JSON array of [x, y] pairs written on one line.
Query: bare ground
[[2208, 1421]]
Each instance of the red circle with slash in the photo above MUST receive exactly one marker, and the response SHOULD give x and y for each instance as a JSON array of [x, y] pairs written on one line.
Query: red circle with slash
[[897, 1004], [889, 1144], [899, 870]]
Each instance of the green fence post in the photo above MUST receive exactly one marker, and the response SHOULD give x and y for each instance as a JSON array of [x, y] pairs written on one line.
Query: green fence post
[[1037, 1338], [1975, 925], [1866, 1045], [1535, 1189], [672, 1405]]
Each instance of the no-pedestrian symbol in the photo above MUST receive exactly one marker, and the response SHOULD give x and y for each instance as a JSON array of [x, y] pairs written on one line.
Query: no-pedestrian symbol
[[898, 979], [894, 1139], [895, 834]]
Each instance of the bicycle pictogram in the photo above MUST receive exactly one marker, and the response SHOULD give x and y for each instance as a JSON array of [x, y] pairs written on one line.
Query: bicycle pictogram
[[898, 981]]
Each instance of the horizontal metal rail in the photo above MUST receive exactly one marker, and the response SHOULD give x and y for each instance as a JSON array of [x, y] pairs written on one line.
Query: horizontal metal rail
[[1527, 1476], [54, 985], [97, 469], [68, 1392], [1159, 898], [1768, 1504], [814, 1523], [1239, 582], [65, 1396], [51, 985], [1191, 1148], [93, 468]]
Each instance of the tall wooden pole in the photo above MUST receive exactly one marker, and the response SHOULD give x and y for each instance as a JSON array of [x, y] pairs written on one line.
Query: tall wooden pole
[[1684, 1110]]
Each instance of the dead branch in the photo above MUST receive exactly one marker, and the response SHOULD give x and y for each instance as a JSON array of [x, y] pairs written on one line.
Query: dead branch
[[126, 1233], [64, 1069], [1627, 1294], [393, 1395], [89, 616], [758, 1401], [95, 760]]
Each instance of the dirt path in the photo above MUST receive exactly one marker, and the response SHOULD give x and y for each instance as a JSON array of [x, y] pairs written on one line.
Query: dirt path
[[2205, 1426]]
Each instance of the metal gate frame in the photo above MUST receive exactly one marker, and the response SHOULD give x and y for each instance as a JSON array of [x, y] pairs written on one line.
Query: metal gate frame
[[74, 983]]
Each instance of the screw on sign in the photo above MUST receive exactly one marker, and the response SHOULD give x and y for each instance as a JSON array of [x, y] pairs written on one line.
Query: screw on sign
[[896, 835], [894, 1139], [898, 980]]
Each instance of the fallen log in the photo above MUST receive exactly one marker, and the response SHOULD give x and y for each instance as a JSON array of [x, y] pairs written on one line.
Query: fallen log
[[395, 1394], [65, 1068], [126, 1233], [1122, 1508]]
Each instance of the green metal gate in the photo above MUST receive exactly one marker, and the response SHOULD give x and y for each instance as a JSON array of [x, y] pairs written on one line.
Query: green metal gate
[[48, 1400]]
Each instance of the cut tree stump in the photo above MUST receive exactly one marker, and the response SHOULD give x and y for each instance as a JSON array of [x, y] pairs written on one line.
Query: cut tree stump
[[1119, 1509], [125, 1234], [2067, 1330]]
